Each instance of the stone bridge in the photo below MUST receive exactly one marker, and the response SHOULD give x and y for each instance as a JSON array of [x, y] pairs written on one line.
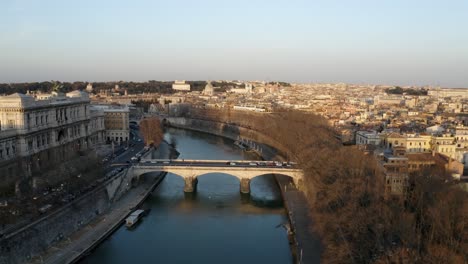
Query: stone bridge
[[243, 170]]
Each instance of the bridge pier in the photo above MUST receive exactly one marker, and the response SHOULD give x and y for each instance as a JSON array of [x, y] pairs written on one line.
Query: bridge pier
[[245, 185], [190, 184], [298, 183]]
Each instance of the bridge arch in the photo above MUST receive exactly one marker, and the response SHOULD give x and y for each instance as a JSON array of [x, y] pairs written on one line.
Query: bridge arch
[[190, 173], [189, 179], [295, 178]]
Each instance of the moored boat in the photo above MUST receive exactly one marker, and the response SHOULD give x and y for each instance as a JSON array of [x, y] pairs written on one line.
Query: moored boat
[[134, 217]]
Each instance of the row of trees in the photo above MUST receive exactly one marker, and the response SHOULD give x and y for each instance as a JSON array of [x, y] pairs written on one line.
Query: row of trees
[[408, 91], [131, 87], [345, 189], [46, 87], [151, 86]]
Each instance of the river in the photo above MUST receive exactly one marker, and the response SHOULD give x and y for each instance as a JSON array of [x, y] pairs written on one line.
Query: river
[[214, 225]]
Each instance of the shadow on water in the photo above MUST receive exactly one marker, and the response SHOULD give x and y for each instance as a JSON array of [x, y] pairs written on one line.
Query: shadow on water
[[190, 196]]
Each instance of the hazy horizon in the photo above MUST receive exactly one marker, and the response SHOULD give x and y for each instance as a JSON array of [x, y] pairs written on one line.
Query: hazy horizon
[[398, 42], [240, 80]]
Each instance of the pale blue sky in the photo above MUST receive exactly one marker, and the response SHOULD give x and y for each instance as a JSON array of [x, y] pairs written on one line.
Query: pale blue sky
[[401, 42]]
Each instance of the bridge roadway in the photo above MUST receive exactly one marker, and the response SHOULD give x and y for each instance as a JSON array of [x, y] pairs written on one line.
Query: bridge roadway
[[244, 170]]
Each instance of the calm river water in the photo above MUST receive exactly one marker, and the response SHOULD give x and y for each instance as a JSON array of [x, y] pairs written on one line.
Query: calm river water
[[215, 225]]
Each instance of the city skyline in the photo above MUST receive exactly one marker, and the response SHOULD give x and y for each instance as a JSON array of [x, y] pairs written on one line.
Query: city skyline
[[398, 43]]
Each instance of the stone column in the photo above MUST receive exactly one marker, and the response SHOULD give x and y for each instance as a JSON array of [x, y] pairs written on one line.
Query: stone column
[[190, 184], [245, 185]]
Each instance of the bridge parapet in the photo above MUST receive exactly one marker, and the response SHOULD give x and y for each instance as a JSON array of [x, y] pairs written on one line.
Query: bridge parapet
[[191, 169]]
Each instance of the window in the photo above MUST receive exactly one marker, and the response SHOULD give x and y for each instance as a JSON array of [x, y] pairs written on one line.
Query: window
[[11, 123]]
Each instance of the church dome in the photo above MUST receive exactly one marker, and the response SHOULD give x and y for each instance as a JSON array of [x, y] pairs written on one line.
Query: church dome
[[209, 89]]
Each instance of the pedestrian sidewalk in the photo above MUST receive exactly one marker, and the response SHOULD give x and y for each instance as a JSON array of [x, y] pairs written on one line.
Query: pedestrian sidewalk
[[307, 243], [81, 242]]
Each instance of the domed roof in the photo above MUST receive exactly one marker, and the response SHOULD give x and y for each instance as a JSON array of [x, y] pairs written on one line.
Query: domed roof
[[209, 86], [209, 89]]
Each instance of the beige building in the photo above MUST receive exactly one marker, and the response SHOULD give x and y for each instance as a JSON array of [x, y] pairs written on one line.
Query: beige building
[[180, 86], [116, 122], [47, 128], [247, 90], [390, 140], [395, 168], [444, 92], [418, 143]]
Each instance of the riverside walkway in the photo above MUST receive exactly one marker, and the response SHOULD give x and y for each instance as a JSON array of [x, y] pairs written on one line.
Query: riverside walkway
[[71, 249], [76, 246], [307, 243]]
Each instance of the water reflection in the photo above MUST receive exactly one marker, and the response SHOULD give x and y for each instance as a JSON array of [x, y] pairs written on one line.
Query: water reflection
[[215, 224]]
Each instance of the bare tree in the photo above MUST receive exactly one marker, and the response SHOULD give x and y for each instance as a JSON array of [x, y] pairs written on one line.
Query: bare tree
[[152, 131]]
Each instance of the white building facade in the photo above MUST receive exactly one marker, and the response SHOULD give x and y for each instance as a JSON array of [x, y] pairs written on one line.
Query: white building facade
[[28, 125], [367, 138], [35, 133], [180, 86]]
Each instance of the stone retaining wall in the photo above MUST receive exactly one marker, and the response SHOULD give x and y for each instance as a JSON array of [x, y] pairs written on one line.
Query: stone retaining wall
[[35, 238], [269, 146]]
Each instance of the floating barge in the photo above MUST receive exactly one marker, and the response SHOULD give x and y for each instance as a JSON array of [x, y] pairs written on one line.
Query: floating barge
[[134, 217]]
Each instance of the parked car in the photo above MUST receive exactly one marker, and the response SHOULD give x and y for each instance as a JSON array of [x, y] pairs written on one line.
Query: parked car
[[44, 208]]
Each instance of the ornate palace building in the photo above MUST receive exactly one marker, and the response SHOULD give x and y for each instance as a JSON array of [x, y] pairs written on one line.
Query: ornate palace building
[[36, 131]]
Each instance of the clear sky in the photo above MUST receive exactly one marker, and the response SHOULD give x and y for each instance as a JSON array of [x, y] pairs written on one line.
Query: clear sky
[[400, 42]]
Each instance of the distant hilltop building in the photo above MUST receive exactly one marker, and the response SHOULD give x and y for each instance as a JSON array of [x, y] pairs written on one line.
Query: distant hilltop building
[[209, 89], [247, 90], [180, 86], [445, 92], [89, 88], [388, 100]]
